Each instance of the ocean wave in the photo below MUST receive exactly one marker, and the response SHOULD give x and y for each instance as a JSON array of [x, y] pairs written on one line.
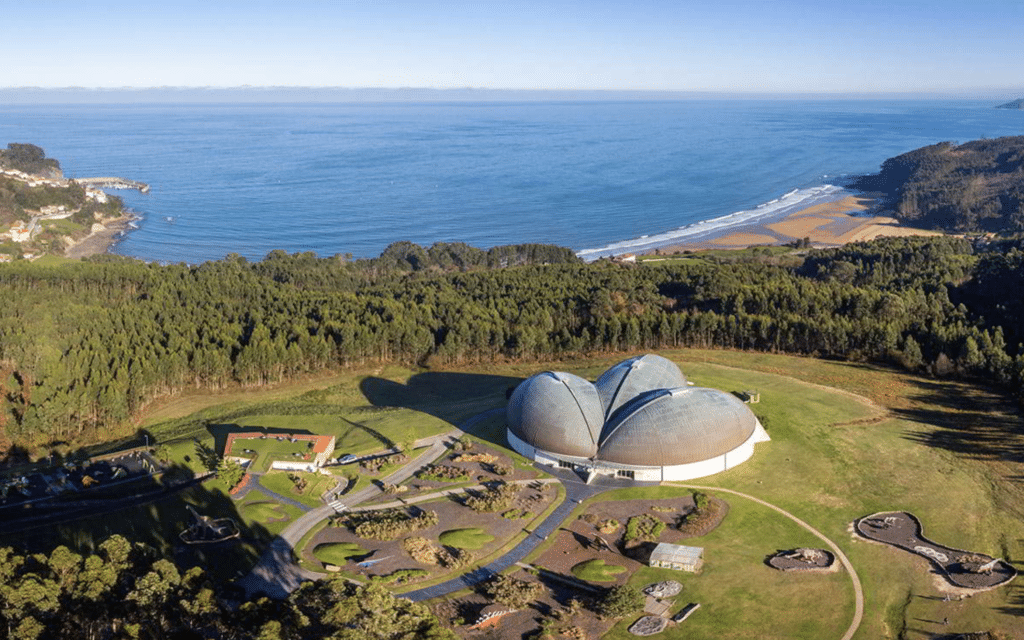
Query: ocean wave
[[783, 205]]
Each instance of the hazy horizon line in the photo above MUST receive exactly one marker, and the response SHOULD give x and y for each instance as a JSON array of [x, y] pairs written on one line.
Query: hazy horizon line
[[322, 93]]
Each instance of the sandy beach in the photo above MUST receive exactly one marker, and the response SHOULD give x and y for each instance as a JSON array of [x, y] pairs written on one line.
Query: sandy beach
[[101, 240], [828, 224]]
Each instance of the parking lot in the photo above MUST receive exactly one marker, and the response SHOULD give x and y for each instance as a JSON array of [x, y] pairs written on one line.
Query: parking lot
[[75, 477]]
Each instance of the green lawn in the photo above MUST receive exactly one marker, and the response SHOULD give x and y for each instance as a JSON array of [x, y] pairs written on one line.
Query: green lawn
[[365, 413], [271, 449], [316, 484], [942, 450], [597, 571], [275, 516], [338, 553], [466, 538]]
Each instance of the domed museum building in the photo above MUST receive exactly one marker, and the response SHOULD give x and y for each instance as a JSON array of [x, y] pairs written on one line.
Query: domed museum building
[[640, 420]]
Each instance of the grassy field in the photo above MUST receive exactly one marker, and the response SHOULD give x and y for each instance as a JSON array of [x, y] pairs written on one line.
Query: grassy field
[[597, 571], [465, 538], [338, 553], [269, 449], [316, 484], [847, 440]]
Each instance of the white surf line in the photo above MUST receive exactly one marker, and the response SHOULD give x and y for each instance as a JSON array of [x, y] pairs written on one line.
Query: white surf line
[[790, 202], [858, 591]]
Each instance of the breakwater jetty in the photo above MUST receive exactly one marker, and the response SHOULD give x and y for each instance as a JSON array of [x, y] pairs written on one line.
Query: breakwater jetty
[[113, 183]]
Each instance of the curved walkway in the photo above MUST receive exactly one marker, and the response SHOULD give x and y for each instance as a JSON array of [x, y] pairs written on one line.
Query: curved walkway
[[858, 591], [273, 495], [277, 574], [575, 493]]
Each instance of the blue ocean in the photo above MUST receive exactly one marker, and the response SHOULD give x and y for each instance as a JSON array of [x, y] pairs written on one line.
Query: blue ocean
[[599, 177]]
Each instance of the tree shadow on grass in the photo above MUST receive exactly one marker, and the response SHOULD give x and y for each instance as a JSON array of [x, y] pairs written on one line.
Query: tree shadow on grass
[[450, 396], [149, 511], [966, 420], [1014, 601]]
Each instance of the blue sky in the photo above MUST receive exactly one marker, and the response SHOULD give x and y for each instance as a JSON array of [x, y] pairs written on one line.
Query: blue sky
[[725, 45]]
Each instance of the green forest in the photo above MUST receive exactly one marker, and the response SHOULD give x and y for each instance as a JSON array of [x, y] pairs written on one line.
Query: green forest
[[125, 591], [976, 186], [84, 347]]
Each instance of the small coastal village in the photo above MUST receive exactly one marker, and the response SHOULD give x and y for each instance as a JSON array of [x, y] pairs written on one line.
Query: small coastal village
[[19, 237]]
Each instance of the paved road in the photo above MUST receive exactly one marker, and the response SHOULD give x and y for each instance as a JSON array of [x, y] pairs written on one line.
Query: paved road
[[858, 592], [254, 485], [576, 491], [277, 574]]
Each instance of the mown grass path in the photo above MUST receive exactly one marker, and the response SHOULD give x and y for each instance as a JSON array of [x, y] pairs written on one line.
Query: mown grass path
[[858, 591]]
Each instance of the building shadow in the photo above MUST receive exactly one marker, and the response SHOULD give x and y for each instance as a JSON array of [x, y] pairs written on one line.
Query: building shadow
[[450, 396]]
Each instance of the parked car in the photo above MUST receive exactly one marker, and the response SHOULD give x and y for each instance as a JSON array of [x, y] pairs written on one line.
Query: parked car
[[347, 458]]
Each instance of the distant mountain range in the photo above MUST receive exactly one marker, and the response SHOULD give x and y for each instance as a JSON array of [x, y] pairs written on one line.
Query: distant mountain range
[[1015, 104]]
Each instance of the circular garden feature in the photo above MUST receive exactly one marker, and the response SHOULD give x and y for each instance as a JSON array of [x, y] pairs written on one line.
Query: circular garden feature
[[802, 560]]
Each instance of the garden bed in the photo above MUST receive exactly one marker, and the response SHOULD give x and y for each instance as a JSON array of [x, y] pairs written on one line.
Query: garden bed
[[965, 569], [452, 516]]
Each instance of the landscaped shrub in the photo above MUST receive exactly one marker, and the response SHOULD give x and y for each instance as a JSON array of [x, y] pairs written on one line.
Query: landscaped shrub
[[421, 549], [497, 497], [299, 482], [387, 524], [391, 489], [701, 500], [373, 465], [515, 514], [610, 525], [475, 457], [644, 527], [402, 576], [703, 515], [511, 591], [501, 469], [462, 444], [425, 551], [443, 473], [619, 601]]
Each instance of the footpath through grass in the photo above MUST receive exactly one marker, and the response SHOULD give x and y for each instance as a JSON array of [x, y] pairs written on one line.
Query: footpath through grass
[[847, 440]]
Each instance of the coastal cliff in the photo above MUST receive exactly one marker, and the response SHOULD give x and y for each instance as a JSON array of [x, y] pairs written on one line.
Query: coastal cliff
[[975, 186], [1014, 104], [42, 212]]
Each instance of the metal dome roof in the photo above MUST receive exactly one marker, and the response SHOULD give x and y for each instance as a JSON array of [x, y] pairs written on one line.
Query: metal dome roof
[[557, 412], [627, 418], [628, 379], [665, 427]]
